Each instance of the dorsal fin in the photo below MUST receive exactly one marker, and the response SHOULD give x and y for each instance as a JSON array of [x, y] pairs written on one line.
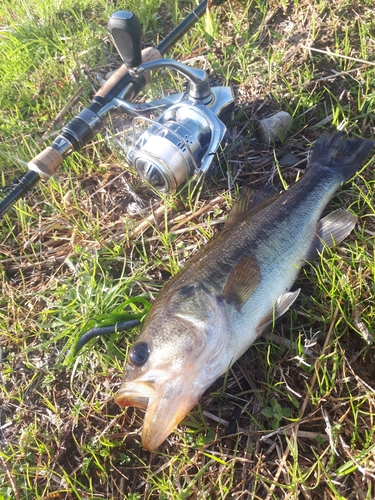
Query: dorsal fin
[[250, 201], [242, 281]]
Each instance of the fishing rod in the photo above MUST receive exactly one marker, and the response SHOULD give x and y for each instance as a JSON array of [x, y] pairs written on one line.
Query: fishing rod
[[181, 143]]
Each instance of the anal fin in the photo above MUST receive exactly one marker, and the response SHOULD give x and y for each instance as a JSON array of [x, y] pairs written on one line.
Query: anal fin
[[332, 230]]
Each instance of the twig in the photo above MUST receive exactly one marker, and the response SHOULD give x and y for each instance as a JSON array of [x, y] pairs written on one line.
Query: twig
[[329, 432], [147, 222], [340, 56], [68, 105], [216, 419], [336, 74], [323, 122], [11, 478], [59, 117], [305, 434], [185, 230], [202, 210], [289, 429], [361, 327], [279, 471], [361, 469]]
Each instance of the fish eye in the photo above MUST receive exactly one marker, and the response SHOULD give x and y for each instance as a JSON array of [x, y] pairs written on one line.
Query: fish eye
[[139, 354]]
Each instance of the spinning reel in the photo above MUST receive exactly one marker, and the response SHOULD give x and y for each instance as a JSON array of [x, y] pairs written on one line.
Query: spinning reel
[[182, 142], [179, 144]]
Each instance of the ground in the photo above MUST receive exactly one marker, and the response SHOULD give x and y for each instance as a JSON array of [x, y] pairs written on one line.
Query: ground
[[294, 417]]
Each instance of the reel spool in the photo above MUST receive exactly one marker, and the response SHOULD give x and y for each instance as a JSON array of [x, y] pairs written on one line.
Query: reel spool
[[180, 144]]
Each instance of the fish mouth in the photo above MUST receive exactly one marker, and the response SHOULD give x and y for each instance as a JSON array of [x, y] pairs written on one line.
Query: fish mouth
[[135, 394], [164, 409]]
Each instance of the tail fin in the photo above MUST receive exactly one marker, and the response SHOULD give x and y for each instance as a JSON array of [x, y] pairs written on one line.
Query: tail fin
[[343, 155]]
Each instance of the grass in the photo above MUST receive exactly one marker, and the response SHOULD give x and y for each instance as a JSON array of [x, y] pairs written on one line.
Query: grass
[[283, 423]]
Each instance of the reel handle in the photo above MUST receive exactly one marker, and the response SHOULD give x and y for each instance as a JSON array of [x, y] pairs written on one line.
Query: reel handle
[[116, 81], [126, 33]]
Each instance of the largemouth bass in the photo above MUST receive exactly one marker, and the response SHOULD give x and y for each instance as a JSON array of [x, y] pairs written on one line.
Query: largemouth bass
[[209, 314]]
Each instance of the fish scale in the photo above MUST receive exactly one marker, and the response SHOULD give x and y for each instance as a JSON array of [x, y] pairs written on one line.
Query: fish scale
[[210, 313]]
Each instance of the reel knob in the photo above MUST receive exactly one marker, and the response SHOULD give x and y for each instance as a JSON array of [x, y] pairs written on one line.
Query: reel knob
[[126, 33]]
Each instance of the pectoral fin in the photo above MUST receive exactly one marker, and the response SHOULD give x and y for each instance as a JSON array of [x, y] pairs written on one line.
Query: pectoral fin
[[332, 230], [281, 306], [242, 281]]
